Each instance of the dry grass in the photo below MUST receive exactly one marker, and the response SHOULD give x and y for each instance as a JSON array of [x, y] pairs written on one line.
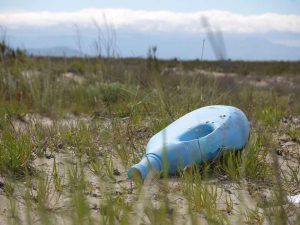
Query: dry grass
[[68, 140]]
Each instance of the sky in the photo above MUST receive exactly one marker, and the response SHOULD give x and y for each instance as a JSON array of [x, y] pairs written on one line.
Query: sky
[[238, 6], [177, 27]]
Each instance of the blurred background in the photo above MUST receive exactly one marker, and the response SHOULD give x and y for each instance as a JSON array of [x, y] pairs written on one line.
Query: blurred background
[[244, 30]]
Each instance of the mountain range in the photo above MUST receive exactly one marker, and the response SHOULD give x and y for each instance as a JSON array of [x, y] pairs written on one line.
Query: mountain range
[[169, 45]]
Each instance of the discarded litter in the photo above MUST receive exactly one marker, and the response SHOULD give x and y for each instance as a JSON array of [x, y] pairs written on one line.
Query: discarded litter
[[294, 199], [194, 138]]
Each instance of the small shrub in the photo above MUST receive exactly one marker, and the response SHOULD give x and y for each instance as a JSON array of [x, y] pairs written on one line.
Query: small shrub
[[15, 153], [111, 93]]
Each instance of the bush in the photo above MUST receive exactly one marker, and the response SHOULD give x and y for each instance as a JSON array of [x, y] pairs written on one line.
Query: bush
[[15, 152]]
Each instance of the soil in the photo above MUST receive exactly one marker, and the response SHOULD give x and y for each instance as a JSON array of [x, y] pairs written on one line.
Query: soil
[[287, 151]]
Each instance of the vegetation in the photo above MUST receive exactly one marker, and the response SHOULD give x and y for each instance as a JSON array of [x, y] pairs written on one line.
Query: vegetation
[[71, 127]]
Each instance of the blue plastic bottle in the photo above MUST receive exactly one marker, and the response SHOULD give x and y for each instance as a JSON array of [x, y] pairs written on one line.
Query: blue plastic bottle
[[194, 138]]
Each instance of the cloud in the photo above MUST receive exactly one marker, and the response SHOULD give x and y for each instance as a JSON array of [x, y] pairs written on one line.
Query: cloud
[[288, 42], [162, 21]]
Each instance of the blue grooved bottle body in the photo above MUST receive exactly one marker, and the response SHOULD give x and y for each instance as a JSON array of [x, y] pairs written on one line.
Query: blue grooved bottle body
[[195, 138]]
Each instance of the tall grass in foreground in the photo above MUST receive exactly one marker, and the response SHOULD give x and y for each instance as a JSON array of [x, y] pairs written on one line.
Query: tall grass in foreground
[[76, 174]]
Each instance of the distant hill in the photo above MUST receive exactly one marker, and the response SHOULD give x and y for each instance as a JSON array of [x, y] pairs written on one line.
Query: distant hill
[[55, 51], [170, 45]]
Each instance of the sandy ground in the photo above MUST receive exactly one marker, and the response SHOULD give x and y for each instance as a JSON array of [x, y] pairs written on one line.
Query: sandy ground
[[243, 198]]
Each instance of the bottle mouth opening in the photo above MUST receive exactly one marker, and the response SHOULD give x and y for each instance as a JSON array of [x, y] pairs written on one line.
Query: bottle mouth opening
[[135, 175], [139, 171]]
